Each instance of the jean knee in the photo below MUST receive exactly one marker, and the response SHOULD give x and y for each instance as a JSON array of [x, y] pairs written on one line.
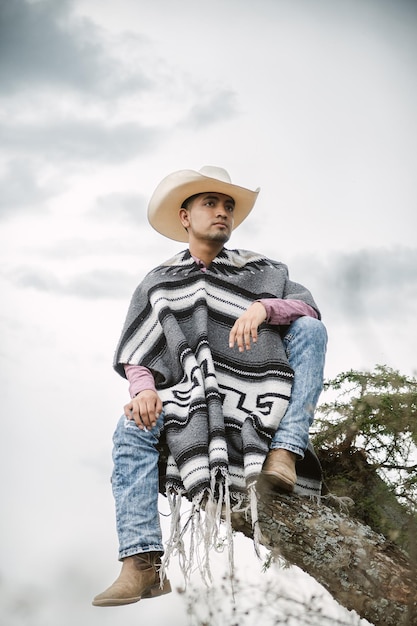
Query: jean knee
[[128, 433], [306, 332], [312, 327], [118, 434]]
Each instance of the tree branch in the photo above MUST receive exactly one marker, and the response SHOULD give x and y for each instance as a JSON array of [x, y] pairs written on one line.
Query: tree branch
[[361, 569]]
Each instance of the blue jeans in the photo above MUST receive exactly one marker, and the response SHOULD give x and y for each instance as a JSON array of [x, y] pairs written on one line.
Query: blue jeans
[[135, 454], [305, 345], [135, 485]]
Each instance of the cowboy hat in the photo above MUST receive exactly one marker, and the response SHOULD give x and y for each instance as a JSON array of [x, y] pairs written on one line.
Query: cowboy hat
[[166, 200]]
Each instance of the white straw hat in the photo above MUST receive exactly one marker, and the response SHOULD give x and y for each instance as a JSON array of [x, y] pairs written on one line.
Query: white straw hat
[[166, 200]]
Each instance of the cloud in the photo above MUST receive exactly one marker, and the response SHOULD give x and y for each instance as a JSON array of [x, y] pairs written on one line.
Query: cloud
[[20, 189], [122, 206], [79, 140], [91, 285], [76, 248], [378, 284], [74, 92], [212, 109], [42, 43], [101, 284]]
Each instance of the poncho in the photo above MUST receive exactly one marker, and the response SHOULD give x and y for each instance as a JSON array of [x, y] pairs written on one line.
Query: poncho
[[221, 406]]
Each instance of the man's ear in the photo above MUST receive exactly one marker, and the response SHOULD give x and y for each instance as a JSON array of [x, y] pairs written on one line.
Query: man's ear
[[184, 217]]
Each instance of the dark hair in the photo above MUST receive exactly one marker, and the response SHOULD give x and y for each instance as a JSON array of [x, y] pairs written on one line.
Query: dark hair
[[189, 200]]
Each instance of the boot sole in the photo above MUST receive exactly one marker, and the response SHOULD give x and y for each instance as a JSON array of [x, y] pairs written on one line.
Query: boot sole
[[152, 592], [276, 481]]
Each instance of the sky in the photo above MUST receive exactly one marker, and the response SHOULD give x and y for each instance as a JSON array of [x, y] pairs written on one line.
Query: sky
[[313, 101]]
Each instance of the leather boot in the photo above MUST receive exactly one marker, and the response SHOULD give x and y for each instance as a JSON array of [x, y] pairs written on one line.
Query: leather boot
[[138, 579], [279, 469]]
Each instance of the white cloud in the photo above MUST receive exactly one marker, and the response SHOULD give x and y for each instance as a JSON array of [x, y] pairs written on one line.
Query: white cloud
[[105, 284], [212, 109], [79, 140], [117, 206], [373, 284], [21, 189], [42, 43]]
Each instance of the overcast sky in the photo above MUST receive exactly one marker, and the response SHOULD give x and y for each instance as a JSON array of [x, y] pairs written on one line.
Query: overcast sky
[[313, 101]]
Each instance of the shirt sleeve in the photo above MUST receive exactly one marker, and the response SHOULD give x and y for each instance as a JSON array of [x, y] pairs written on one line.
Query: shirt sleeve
[[282, 312], [140, 378]]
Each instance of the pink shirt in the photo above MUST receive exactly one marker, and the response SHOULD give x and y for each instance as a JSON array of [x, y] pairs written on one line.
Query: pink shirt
[[278, 312]]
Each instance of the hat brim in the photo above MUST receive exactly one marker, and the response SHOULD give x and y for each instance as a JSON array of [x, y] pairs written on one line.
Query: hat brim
[[166, 201]]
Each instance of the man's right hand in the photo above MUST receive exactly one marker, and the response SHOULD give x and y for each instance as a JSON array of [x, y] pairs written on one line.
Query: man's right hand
[[144, 408]]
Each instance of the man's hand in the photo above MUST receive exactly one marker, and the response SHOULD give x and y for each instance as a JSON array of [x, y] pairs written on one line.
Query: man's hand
[[245, 329], [144, 409]]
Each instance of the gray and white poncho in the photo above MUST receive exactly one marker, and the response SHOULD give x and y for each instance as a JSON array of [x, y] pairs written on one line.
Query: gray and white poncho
[[221, 406]]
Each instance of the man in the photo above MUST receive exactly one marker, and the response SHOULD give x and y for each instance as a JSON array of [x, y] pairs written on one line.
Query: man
[[224, 355]]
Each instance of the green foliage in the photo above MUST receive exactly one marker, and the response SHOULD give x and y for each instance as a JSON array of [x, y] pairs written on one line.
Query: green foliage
[[373, 416]]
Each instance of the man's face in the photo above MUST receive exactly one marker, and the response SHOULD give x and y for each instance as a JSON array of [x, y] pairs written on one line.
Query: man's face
[[209, 217]]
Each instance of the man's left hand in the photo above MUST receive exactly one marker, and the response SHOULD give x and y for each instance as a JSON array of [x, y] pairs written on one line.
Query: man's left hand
[[245, 329]]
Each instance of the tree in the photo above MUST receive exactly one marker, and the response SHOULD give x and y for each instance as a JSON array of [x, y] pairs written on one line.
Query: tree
[[368, 435], [361, 543]]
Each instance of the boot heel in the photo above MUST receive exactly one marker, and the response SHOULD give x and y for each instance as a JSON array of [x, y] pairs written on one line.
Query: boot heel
[[157, 590]]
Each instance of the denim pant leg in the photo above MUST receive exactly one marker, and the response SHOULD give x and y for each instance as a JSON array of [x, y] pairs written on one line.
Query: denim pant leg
[[305, 344], [135, 487]]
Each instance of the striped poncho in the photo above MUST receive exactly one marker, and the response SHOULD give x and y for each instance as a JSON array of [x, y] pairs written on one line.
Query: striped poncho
[[221, 406]]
